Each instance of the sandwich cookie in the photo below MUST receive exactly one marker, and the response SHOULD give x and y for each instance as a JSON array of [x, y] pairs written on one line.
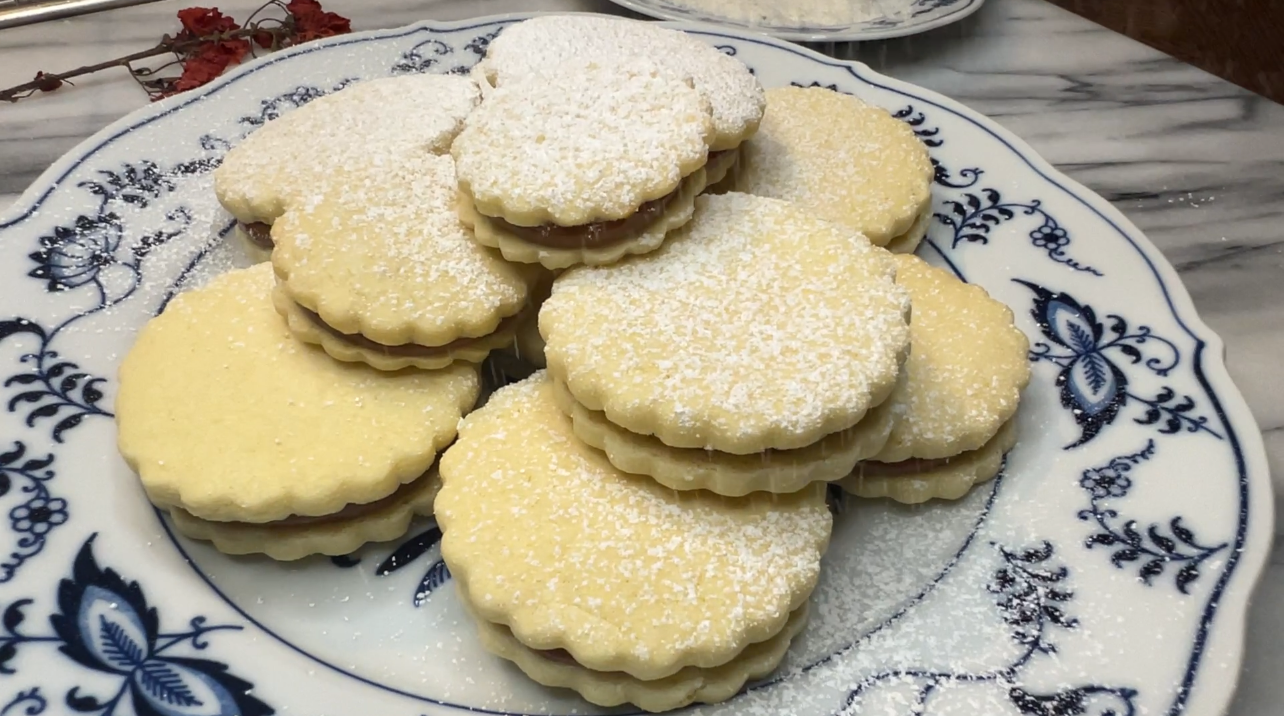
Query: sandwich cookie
[[262, 444], [289, 159], [735, 97], [583, 164], [955, 413], [382, 272], [689, 685], [756, 327], [833, 457], [844, 160], [628, 590]]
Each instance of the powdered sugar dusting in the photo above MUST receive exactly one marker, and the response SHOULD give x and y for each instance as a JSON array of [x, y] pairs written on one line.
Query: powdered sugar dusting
[[291, 158], [546, 537], [843, 159], [755, 326], [386, 256], [545, 42], [966, 369], [584, 142]]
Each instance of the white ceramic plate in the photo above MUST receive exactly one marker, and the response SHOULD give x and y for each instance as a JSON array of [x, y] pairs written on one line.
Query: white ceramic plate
[[1106, 572], [895, 18]]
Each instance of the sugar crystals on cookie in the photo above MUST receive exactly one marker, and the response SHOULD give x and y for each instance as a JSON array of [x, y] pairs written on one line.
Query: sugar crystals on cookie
[[289, 159], [756, 329], [611, 584], [583, 164], [735, 97], [382, 271]]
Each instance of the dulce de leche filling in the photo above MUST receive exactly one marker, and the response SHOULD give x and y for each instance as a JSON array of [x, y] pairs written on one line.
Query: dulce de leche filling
[[349, 512], [904, 468], [598, 234], [259, 234], [560, 656], [352, 511], [407, 350]]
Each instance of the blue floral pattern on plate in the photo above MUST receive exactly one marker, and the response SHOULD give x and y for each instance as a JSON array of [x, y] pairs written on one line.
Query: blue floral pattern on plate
[[105, 624]]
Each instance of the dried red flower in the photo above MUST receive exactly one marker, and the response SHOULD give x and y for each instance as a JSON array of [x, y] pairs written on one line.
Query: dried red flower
[[47, 84], [205, 21], [312, 22], [208, 44], [208, 62]]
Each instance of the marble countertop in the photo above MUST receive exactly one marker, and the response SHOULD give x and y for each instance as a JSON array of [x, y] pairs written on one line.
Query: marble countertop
[[1193, 160]]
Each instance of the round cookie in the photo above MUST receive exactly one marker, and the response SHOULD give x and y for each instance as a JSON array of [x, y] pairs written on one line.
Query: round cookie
[[782, 471], [842, 159], [915, 481], [225, 416], [756, 327], [690, 685], [291, 158], [967, 367], [544, 43], [545, 537], [384, 273], [584, 164]]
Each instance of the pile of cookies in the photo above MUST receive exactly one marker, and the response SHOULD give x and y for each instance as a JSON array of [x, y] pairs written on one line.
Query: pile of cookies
[[713, 290]]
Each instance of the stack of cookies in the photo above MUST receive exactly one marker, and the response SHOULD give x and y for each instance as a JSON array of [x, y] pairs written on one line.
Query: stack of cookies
[[711, 289], [589, 578], [298, 407]]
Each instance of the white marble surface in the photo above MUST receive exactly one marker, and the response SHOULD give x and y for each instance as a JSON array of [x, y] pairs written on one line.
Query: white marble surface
[[1196, 162]]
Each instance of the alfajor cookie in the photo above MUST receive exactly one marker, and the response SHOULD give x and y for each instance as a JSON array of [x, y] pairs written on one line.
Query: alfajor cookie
[[264, 444], [844, 160], [955, 411], [756, 327], [584, 164], [612, 688], [288, 160], [382, 272], [781, 471], [615, 573], [296, 537], [735, 97], [915, 480]]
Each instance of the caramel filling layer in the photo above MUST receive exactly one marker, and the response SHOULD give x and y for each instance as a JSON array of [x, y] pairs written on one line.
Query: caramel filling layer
[[259, 233], [352, 511], [407, 350], [560, 656], [721, 169], [349, 512], [599, 234], [904, 468]]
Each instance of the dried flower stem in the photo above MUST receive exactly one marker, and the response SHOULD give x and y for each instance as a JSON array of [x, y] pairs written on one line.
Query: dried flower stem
[[210, 43], [166, 46]]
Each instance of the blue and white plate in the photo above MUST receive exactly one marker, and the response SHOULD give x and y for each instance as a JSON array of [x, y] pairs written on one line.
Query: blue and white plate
[[1107, 570], [893, 18]]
